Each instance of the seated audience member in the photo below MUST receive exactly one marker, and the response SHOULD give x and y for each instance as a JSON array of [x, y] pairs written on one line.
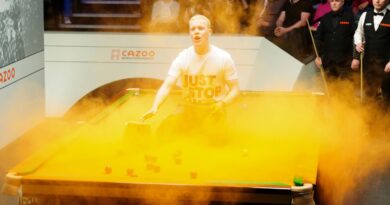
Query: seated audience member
[[67, 11], [194, 7], [228, 15], [164, 16], [248, 10]]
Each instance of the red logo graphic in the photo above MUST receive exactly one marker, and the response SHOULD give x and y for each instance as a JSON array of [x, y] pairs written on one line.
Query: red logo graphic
[[344, 22], [115, 54], [7, 75], [385, 24], [125, 54]]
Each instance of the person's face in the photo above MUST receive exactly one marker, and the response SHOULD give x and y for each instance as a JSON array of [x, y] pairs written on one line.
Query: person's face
[[199, 32], [379, 4], [336, 5]]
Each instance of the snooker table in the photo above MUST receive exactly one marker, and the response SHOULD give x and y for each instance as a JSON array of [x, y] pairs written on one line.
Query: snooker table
[[115, 159]]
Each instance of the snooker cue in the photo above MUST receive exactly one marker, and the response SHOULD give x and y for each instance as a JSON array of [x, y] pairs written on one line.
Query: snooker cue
[[361, 78], [316, 52]]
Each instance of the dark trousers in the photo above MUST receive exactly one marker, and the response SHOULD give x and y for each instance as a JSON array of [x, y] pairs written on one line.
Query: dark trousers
[[375, 78], [340, 70]]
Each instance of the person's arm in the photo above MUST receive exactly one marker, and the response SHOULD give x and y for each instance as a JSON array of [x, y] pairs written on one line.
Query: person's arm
[[233, 92], [162, 94], [301, 23], [281, 19], [359, 34], [279, 24], [175, 12], [231, 79], [358, 39], [387, 67], [265, 6], [155, 13], [319, 37], [280, 31], [245, 4], [260, 17], [363, 5]]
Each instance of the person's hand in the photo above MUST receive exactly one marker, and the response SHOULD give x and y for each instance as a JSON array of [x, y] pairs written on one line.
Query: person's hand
[[387, 67], [280, 31], [262, 22], [360, 47], [150, 113], [362, 6], [318, 62], [355, 64]]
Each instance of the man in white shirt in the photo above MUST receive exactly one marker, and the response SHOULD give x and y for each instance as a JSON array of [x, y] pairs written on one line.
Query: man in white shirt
[[164, 16], [372, 37], [208, 78]]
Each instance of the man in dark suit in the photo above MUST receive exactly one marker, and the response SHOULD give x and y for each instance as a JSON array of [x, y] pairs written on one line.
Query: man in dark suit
[[334, 38], [373, 37]]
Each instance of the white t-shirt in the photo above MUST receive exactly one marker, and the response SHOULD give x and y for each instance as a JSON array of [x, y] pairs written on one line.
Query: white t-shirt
[[165, 12], [203, 77]]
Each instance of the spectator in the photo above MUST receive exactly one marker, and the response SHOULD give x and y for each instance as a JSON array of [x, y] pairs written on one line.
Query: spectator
[[322, 9], [291, 27], [360, 6], [67, 11], [164, 16], [266, 19], [227, 14], [194, 7], [334, 38], [248, 8]]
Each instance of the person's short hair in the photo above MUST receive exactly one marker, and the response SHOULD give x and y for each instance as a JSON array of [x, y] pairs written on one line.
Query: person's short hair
[[200, 17]]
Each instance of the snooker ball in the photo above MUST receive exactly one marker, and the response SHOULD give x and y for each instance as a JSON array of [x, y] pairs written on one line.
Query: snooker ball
[[156, 169], [298, 181], [107, 169], [130, 173], [193, 175]]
